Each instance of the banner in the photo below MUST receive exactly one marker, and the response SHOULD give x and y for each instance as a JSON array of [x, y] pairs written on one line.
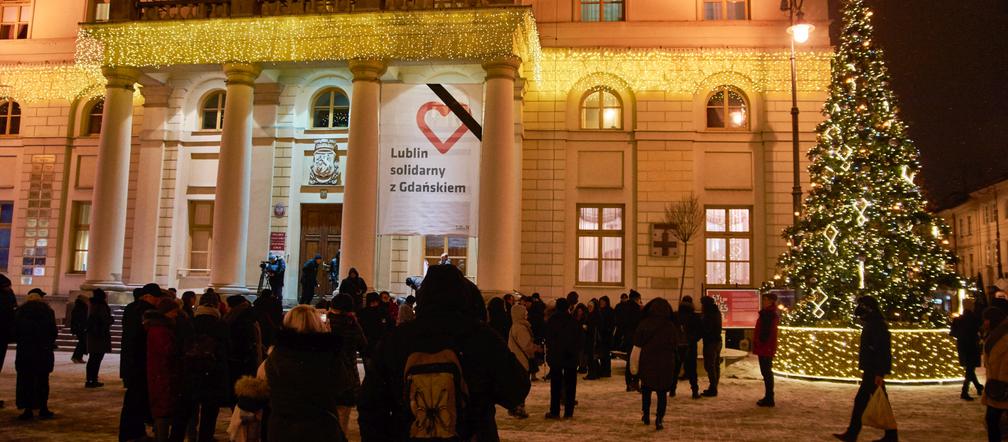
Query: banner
[[428, 165], [739, 308]]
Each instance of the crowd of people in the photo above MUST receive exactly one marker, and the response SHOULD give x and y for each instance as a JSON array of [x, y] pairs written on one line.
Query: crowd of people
[[436, 364]]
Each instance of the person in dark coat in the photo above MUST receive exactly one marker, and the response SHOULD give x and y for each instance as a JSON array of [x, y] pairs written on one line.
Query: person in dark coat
[[35, 332], [966, 331], [8, 305], [765, 345], [78, 326], [164, 365], [627, 315], [580, 314], [710, 316], [692, 330], [99, 336], [499, 320], [874, 361], [605, 327], [537, 316], [564, 339], [245, 350], [276, 270], [491, 373], [376, 324], [356, 287], [268, 311], [658, 337], [189, 303], [204, 371], [344, 325], [136, 411], [309, 279]]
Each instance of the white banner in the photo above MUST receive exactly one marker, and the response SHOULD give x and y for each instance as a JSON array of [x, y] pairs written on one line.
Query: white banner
[[428, 167]]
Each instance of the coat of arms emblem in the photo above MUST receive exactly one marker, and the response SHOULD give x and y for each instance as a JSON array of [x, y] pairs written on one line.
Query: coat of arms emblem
[[325, 164]]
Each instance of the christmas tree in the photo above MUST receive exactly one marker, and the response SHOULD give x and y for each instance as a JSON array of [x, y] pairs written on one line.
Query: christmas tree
[[864, 229]]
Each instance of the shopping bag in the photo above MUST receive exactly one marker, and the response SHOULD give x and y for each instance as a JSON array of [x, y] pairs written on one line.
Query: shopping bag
[[879, 413], [634, 360]]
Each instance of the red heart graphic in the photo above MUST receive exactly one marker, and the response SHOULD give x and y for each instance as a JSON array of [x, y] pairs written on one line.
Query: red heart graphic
[[442, 146]]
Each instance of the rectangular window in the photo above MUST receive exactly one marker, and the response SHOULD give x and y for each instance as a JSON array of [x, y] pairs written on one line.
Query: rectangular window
[[728, 240], [457, 248], [81, 235], [602, 10], [200, 234], [969, 225], [14, 19], [600, 235], [6, 219], [725, 10]]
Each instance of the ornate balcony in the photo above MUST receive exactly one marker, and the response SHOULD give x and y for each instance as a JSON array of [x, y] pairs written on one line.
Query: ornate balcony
[[126, 10]]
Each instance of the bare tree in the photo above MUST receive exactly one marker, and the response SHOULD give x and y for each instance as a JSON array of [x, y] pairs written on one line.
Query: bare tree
[[685, 216]]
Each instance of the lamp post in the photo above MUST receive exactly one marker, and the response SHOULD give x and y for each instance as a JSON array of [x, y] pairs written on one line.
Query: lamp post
[[799, 31]]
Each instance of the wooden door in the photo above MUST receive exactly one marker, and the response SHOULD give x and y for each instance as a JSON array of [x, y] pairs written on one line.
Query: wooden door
[[320, 234]]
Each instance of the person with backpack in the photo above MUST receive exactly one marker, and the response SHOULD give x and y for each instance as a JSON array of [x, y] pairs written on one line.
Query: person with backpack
[[78, 326], [442, 374], [136, 411], [204, 370], [35, 330], [301, 410], [874, 361], [344, 325], [563, 348], [691, 327], [522, 344], [99, 336], [245, 350], [653, 358], [710, 316]]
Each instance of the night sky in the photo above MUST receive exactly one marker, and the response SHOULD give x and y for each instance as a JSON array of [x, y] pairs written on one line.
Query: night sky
[[948, 61]]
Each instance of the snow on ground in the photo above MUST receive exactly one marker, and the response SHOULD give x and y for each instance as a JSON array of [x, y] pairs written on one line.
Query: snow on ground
[[806, 411]]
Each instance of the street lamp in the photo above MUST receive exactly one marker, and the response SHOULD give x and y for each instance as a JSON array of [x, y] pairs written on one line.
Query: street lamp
[[799, 31]]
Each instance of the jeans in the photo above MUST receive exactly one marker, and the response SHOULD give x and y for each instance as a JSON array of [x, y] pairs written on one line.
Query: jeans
[[81, 348], [686, 355], [646, 402], [766, 369], [971, 377], [993, 419], [864, 394], [563, 381], [93, 365], [712, 363]]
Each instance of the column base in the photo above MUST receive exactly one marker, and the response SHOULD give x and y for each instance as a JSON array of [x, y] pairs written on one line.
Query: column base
[[108, 286], [229, 289]]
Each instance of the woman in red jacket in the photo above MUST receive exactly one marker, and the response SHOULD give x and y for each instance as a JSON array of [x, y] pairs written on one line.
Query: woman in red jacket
[[765, 345], [163, 365]]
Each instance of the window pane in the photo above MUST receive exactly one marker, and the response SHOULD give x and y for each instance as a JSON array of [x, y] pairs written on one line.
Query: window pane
[[589, 11], [716, 249], [612, 271], [82, 240], [612, 248], [590, 118], [612, 218], [340, 99], [341, 118], [200, 240], [735, 99], [716, 273], [715, 220], [203, 213], [5, 238], [6, 213], [588, 270], [739, 220], [739, 273], [739, 249], [209, 119], [198, 261], [737, 117], [609, 100], [457, 245], [323, 99], [715, 117], [588, 247], [321, 118], [26, 13], [613, 11], [15, 126], [611, 118], [10, 14], [592, 100], [434, 244], [22, 31], [80, 261], [736, 10], [94, 124], [211, 101], [588, 218], [712, 10], [716, 99]]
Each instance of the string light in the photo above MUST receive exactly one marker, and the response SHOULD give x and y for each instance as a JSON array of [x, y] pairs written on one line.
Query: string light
[[40, 83]]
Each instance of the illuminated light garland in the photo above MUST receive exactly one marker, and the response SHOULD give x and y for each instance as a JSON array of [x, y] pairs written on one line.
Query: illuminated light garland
[[683, 71], [40, 83], [469, 34], [919, 355]]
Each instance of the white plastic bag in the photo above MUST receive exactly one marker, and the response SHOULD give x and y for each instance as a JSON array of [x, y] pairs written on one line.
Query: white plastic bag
[[635, 360], [879, 412]]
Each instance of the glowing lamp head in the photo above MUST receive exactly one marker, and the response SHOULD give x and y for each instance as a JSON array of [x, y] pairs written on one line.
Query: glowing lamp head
[[737, 118], [800, 32]]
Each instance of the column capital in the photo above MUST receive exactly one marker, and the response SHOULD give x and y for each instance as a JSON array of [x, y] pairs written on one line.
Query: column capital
[[241, 73], [123, 77], [367, 70], [502, 67]]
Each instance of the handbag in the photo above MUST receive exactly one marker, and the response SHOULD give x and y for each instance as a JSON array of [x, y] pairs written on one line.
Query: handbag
[[879, 412], [996, 390]]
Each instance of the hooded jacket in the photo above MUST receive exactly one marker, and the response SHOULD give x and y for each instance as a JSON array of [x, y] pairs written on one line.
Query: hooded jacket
[[520, 339], [657, 335], [164, 364], [35, 329]]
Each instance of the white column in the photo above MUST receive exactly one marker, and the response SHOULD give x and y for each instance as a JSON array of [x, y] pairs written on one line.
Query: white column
[[499, 197], [234, 180], [360, 198], [108, 207]]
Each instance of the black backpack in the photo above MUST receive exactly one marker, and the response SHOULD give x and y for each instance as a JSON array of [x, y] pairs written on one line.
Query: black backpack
[[200, 357]]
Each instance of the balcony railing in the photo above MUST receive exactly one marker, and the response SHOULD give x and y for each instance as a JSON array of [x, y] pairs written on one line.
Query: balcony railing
[[124, 10]]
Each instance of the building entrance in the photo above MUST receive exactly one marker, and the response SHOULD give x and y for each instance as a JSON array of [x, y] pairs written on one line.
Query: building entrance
[[320, 235]]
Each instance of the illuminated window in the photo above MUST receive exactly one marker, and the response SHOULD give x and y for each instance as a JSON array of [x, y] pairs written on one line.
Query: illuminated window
[[6, 220], [601, 109], [457, 248], [600, 244], [81, 235], [10, 117], [212, 111], [602, 10], [14, 19], [330, 110], [725, 10], [94, 118], [200, 234], [727, 109], [728, 238]]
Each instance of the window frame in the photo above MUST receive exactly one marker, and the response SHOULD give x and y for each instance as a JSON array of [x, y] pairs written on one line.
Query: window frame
[[583, 109], [19, 21], [600, 234], [219, 110], [77, 228], [724, 11], [90, 115], [194, 227], [726, 108], [427, 256], [728, 235], [330, 109], [580, 4], [8, 117]]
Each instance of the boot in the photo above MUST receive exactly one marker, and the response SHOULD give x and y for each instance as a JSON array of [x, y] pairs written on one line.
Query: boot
[[846, 436], [519, 412], [646, 419], [765, 402], [658, 425], [27, 415], [46, 414], [710, 392], [965, 396]]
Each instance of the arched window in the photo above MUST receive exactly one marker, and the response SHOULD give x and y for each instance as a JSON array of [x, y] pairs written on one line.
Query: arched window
[[601, 109], [727, 109], [10, 117], [94, 117], [330, 109], [212, 111]]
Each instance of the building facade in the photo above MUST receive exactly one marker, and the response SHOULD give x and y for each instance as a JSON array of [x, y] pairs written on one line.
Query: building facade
[[182, 142], [978, 222]]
